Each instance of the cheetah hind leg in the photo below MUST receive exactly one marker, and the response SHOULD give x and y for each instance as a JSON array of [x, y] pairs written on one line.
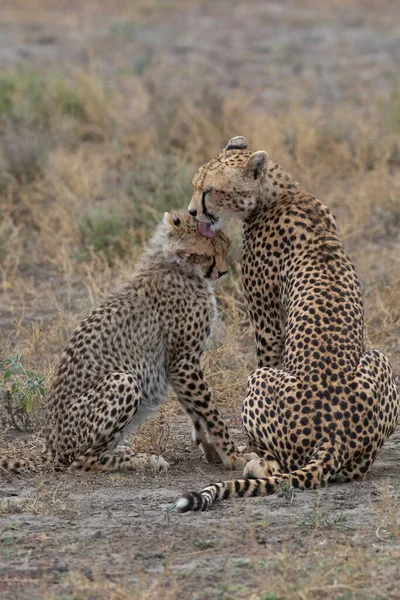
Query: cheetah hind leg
[[120, 397], [265, 387], [373, 387]]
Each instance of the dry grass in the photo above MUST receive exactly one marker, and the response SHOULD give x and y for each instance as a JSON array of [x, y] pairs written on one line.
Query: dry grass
[[72, 226], [96, 201], [341, 573]]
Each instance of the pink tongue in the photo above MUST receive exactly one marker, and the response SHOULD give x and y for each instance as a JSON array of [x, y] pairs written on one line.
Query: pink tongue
[[205, 230]]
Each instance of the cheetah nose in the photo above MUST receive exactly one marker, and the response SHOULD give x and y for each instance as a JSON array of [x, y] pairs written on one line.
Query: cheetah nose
[[193, 212], [221, 273]]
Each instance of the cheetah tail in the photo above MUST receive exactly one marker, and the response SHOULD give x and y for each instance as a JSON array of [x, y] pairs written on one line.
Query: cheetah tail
[[235, 488], [325, 462]]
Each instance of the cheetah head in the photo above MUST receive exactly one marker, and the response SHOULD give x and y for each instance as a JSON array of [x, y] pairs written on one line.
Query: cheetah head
[[185, 245], [228, 186]]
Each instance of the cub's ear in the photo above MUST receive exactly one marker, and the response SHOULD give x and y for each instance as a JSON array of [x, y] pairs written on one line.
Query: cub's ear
[[171, 220], [257, 163], [237, 143]]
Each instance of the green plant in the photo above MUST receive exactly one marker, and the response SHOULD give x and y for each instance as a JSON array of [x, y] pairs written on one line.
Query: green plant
[[6, 231], [347, 595], [25, 153], [322, 520], [35, 100], [105, 232], [204, 544], [286, 490], [19, 390], [156, 184], [7, 90], [23, 95], [393, 111], [143, 63], [126, 30]]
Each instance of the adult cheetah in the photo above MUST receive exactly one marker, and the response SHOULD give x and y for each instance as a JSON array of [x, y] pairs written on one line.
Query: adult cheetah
[[319, 404], [149, 333]]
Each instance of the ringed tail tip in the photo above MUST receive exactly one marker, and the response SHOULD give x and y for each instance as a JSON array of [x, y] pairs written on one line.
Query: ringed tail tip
[[189, 501]]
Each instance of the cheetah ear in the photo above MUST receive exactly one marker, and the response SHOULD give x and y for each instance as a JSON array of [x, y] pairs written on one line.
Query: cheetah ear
[[237, 143], [257, 163], [171, 220]]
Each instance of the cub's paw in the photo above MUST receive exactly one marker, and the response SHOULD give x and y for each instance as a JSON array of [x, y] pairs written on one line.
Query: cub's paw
[[238, 461]]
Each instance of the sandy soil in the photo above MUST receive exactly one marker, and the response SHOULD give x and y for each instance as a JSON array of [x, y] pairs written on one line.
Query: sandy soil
[[116, 526]]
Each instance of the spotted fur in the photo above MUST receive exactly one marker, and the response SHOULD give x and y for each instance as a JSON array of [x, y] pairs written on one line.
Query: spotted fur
[[146, 336], [320, 404]]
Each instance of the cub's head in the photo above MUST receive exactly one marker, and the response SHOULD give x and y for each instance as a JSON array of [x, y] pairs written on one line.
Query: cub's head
[[228, 186], [184, 245]]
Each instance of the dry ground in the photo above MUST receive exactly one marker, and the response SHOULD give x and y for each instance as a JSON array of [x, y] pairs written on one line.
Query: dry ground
[[106, 109]]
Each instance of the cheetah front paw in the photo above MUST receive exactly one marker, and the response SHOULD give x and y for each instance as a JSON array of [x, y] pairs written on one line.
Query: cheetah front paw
[[210, 454]]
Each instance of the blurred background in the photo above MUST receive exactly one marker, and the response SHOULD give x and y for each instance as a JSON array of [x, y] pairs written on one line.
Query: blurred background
[[108, 107]]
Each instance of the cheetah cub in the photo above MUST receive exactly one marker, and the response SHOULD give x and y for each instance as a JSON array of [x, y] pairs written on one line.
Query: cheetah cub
[[148, 334]]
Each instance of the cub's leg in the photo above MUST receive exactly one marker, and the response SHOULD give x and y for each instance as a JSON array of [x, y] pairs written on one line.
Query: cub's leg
[[374, 404], [96, 422], [187, 380]]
